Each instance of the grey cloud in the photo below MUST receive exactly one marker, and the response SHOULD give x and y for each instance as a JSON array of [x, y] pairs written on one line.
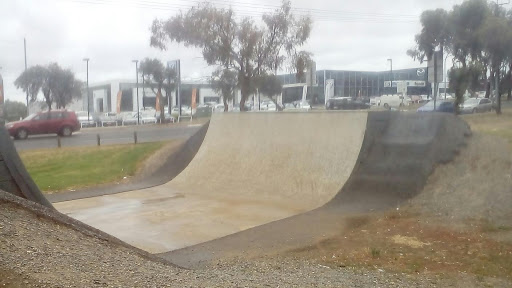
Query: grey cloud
[[113, 35]]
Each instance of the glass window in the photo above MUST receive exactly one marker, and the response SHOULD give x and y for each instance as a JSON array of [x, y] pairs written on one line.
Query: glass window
[[56, 115]]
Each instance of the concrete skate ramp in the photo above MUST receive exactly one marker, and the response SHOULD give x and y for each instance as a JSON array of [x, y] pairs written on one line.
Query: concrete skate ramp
[[399, 152], [252, 169], [170, 168], [14, 178], [295, 159]]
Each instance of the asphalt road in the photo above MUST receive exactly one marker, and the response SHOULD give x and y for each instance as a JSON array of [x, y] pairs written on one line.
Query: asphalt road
[[110, 135]]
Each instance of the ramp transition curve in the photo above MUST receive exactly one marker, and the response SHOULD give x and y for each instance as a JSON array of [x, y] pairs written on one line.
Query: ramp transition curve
[[399, 152]]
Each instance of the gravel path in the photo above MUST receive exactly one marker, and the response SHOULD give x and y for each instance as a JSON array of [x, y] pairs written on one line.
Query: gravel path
[[39, 250]]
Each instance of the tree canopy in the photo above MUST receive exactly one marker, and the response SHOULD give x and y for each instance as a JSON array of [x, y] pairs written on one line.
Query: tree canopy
[[58, 85], [14, 110], [239, 45], [163, 78], [224, 81], [478, 36]]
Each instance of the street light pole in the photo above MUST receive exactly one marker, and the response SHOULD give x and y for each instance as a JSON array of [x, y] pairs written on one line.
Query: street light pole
[[391, 77], [88, 107], [25, 50], [445, 76], [137, 81]]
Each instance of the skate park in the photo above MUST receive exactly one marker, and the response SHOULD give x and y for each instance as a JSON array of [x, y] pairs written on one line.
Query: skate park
[[266, 181]]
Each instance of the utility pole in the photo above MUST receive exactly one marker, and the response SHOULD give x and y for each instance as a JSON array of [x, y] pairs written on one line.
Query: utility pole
[[137, 81], [391, 76], [144, 92], [445, 76], [178, 92], [88, 108], [25, 49]]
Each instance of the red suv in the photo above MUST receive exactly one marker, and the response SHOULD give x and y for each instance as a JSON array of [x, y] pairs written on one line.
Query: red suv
[[61, 122]]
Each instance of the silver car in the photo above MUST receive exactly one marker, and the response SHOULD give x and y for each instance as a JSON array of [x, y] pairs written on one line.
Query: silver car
[[476, 105]]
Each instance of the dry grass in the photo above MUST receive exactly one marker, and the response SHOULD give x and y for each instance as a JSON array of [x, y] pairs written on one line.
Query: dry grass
[[415, 241], [490, 123], [404, 242]]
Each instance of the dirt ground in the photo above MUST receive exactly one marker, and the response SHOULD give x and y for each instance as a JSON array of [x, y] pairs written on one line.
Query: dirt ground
[[459, 224]]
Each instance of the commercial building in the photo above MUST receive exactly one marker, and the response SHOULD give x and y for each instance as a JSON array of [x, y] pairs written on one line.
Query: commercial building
[[121, 96], [339, 83]]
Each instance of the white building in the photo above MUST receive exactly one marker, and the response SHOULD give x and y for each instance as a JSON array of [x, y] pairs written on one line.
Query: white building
[[121, 95]]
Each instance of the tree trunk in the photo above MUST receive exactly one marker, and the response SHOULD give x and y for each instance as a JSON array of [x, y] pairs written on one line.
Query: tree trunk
[[162, 105], [244, 92], [242, 103], [490, 83], [225, 101], [498, 92], [48, 100]]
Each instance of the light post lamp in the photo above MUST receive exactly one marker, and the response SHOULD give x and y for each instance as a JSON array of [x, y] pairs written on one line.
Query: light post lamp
[[445, 76], [391, 77], [88, 107], [137, 87]]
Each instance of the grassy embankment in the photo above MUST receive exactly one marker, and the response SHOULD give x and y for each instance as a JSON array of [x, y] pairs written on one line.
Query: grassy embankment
[[71, 168]]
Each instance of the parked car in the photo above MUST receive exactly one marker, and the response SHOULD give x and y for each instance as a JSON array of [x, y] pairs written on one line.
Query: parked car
[[110, 119], [129, 118], [440, 106], [375, 101], [147, 117], [61, 122], [217, 108], [85, 119], [167, 118], [336, 103], [268, 106], [476, 105], [290, 106], [388, 101], [346, 103], [185, 111]]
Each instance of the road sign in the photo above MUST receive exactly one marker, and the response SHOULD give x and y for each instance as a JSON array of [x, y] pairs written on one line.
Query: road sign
[[435, 65]]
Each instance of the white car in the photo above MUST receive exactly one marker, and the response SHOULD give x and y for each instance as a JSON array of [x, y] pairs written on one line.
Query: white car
[[85, 119], [388, 101], [218, 108], [375, 101], [128, 118], [304, 105], [147, 117], [185, 111]]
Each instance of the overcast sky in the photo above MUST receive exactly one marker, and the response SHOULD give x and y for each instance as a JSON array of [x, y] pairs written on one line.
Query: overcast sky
[[347, 34]]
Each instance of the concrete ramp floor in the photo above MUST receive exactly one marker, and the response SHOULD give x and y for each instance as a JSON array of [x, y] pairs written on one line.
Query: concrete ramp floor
[[252, 169]]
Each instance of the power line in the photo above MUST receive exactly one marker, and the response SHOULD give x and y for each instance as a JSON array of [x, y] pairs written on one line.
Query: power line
[[316, 14]]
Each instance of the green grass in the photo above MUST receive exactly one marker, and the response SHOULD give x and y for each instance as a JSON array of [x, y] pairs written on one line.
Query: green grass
[[71, 168]]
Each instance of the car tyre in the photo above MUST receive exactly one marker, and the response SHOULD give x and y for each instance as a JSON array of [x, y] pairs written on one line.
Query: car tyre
[[66, 131], [22, 134], [386, 106]]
